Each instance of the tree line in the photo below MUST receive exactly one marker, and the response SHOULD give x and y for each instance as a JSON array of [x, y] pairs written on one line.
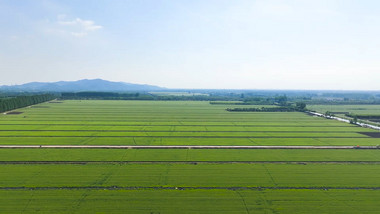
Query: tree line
[[7, 104], [262, 109], [135, 96], [299, 106], [99, 95]]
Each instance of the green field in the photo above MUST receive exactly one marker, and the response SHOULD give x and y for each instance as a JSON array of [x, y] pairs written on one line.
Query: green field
[[188, 175], [170, 123], [353, 109], [46, 180], [195, 155], [190, 201]]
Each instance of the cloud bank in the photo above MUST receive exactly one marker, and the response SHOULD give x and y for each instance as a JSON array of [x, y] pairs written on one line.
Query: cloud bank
[[78, 27]]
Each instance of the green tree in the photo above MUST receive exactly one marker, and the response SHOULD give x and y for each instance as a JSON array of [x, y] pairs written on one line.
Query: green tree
[[281, 100], [301, 106]]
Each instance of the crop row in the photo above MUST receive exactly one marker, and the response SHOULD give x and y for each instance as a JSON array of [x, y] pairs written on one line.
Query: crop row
[[187, 155], [178, 134], [366, 141], [203, 175], [189, 201], [168, 128]]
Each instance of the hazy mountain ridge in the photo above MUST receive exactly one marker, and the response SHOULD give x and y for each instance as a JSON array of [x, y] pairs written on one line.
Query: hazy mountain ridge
[[80, 85]]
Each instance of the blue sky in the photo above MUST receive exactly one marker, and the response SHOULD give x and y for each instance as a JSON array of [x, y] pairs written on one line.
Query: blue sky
[[240, 44]]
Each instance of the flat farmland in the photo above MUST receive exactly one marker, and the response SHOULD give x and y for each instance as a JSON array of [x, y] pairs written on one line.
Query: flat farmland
[[170, 123], [79, 180], [354, 109], [190, 201], [189, 155]]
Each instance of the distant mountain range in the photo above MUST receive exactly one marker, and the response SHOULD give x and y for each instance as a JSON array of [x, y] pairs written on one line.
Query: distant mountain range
[[80, 85]]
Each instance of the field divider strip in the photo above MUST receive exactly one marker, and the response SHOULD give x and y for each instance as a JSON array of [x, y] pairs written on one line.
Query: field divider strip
[[166, 131], [177, 147], [185, 162], [180, 136], [78, 124], [188, 188]]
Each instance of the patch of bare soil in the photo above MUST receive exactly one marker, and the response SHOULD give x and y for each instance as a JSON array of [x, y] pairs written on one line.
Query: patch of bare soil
[[339, 112], [375, 120], [15, 112], [40, 107], [371, 134]]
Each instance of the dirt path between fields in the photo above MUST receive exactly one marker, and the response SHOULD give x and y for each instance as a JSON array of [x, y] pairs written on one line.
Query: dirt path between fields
[[186, 188], [188, 162], [167, 131], [213, 125], [177, 147], [172, 136]]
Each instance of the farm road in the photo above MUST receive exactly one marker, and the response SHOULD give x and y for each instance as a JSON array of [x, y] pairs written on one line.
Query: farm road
[[187, 162], [177, 147]]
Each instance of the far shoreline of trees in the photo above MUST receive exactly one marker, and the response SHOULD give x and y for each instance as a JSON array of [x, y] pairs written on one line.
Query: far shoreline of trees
[[11, 103]]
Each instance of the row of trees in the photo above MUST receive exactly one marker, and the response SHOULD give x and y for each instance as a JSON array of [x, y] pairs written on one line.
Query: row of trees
[[99, 95], [262, 109], [299, 106], [135, 96], [7, 104]]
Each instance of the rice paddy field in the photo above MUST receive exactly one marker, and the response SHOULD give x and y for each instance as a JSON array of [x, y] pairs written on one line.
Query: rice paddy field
[[354, 109], [366, 113], [94, 180]]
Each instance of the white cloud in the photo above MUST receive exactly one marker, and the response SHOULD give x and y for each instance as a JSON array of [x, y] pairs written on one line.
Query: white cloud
[[273, 8], [78, 27], [80, 34]]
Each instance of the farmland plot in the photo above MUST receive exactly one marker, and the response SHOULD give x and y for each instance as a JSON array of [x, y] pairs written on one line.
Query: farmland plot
[[190, 180]]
